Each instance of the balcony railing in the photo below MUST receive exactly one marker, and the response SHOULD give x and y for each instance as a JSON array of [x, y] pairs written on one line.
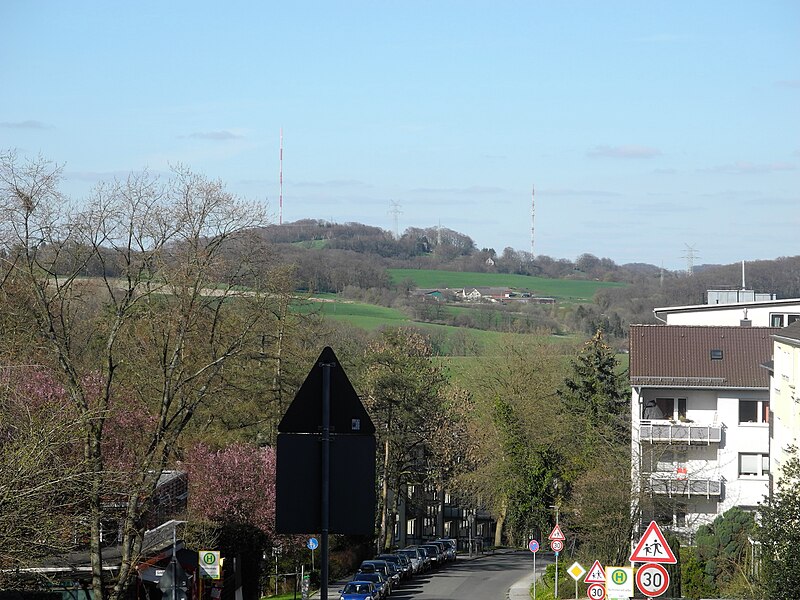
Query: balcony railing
[[679, 433], [690, 486]]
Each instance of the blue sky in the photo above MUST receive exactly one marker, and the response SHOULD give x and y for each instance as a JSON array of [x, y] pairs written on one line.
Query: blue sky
[[645, 126]]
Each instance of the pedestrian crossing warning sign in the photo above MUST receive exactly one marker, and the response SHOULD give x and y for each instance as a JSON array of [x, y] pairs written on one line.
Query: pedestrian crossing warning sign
[[653, 547]]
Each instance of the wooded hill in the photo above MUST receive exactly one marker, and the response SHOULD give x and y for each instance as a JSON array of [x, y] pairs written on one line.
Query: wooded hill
[[356, 261]]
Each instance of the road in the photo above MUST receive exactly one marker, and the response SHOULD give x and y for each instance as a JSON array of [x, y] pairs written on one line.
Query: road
[[486, 578]]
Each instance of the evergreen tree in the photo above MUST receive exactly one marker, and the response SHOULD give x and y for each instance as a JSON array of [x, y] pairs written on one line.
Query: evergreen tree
[[596, 394]]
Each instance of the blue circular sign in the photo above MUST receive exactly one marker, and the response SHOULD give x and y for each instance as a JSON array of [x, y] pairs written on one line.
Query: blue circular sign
[[533, 545], [312, 543]]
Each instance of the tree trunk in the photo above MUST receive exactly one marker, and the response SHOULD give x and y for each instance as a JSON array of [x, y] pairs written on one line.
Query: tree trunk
[[384, 497], [501, 519], [94, 461]]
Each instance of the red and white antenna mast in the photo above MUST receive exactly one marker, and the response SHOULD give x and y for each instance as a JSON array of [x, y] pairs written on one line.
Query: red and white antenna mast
[[280, 178], [533, 213]]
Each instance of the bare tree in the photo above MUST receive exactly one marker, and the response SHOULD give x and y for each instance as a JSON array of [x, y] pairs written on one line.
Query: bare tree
[[157, 326]]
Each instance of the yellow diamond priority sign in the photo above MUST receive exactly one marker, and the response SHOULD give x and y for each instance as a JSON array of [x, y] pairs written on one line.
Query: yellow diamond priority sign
[[576, 571]]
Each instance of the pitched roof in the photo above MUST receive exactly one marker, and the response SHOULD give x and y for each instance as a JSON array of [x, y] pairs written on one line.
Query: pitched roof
[[681, 356]]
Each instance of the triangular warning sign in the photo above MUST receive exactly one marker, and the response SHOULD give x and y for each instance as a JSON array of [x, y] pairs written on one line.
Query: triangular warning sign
[[653, 548], [347, 414], [596, 574], [556, 534]]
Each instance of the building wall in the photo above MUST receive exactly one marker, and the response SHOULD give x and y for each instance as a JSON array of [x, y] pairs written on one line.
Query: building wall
[[731, 315], [784, 402], [715, 462]]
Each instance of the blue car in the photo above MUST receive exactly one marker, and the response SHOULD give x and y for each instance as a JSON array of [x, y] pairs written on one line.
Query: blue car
[[358, 590], [377, 579]]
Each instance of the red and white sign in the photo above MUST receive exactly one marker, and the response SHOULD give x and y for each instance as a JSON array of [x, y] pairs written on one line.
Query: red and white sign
[[533, 546], [596, 591], [556, 534], [557, 545], [653, 548], [652, 579], [596, 574]]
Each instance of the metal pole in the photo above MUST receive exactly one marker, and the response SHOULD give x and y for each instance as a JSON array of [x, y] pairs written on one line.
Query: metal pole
[[556, 594], [534, 575], [174, 564], [326, 476]]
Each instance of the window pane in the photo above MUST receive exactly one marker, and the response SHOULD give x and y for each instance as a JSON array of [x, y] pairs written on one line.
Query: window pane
[[666, 406], [749, 464], [748, 411], [765, 464], [776, 320]]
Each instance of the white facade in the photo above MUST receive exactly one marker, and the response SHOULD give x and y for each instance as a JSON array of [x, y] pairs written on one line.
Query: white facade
[[768, 313], [784, 399], [709, 454]]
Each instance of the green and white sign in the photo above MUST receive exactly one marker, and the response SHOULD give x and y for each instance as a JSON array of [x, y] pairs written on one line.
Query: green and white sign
[[209, 563], [619, 582]]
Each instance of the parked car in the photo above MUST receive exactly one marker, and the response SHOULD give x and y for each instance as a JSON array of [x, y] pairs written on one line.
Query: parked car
[[416, 558], [437, 560], [450, 547], [381, 585], [383, 567], [358, 590], [403, 565], [427, 557]]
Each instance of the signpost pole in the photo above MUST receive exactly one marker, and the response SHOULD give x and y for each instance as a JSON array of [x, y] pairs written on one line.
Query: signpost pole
[[326, 476], [534, 574]]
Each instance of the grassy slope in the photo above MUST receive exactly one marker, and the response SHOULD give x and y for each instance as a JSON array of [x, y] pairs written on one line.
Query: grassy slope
[[576, 289]]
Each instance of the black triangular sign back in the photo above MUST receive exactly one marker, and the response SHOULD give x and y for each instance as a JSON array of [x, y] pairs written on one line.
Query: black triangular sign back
[[347, 416]]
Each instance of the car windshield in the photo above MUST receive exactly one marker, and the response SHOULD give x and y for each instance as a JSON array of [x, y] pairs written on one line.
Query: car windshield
[[356, 588]]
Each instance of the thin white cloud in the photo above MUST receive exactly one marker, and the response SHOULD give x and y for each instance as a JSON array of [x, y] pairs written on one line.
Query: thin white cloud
[[474, 189], [25, 125], [623, 152], [748, 168], [567, 192], [218, 136], [332, 183]]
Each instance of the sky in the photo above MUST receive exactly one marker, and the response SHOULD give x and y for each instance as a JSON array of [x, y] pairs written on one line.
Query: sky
[[652, 131]]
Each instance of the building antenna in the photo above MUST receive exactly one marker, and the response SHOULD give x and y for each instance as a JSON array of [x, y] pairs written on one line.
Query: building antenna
[[280, 179], [533, 215], [691, 254], [744, 287], [396, 212]]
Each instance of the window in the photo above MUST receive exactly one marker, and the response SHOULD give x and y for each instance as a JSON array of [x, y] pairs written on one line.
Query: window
[[716, 355], [411, 527], [682, 409], [753, 465], [792, 318], [667, 407], [753, 411], [776, 320]]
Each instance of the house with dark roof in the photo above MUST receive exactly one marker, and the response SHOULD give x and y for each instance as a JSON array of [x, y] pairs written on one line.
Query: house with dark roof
[[700, 420]]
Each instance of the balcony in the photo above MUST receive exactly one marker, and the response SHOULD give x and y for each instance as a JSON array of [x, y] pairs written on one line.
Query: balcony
[[679, 432], [689, 487]]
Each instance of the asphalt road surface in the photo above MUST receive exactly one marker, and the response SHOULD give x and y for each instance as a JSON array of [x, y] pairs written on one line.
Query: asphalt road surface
[[488, 577]]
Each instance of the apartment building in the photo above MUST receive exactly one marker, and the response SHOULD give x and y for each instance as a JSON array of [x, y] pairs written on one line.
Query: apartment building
[[700, 420]]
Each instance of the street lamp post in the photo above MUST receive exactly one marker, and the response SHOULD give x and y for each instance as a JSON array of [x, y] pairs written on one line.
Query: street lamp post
[[470, 521]]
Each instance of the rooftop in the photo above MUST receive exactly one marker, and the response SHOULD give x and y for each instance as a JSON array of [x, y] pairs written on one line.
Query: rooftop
[[700, 356]]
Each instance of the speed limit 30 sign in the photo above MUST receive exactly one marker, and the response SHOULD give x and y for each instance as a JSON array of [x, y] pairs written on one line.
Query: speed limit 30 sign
[[652, 579], [596, 591]]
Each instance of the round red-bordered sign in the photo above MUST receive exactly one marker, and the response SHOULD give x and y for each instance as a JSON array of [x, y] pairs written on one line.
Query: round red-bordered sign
[[533, 546], [596, 591], [652, 579], [557, 545]]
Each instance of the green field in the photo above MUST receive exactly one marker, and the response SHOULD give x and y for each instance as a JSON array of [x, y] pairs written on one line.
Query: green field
[[567, 289]]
